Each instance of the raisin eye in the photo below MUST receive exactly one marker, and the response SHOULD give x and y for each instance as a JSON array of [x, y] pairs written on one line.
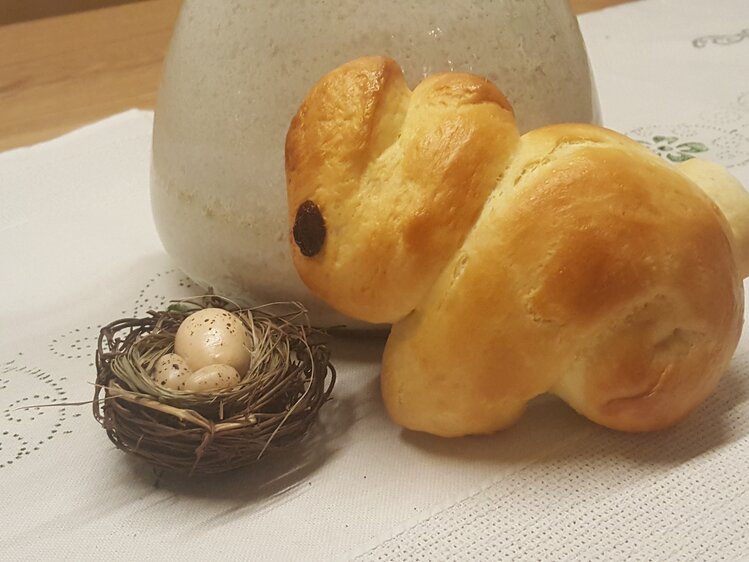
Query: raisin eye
[[309, 229]]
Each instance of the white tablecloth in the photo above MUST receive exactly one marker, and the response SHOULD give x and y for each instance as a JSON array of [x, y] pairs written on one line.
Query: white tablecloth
[[79, 249]]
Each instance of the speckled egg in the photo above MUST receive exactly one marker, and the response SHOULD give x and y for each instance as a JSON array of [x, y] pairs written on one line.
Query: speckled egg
[[213, 336], [212, 378], [171, 372]]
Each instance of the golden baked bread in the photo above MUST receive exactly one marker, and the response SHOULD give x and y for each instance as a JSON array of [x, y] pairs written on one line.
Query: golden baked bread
[[570, 260]]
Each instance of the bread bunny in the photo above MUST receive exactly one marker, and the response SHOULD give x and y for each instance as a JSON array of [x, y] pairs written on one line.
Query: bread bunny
[[570, 260]]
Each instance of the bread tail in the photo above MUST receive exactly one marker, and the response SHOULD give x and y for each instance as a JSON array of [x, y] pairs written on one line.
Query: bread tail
[[730, 197]]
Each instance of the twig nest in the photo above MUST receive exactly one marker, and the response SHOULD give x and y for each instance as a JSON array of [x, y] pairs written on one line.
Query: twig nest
[[213, 336], [206, 386]]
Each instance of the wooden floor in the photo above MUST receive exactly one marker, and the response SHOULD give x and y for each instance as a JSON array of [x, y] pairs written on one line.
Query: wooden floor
[[14, 11]]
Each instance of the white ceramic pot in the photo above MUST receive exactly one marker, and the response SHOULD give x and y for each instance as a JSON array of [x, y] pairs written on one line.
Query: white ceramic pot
[[238, 69]]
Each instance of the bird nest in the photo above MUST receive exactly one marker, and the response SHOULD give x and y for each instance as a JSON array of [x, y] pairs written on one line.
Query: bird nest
[[289, 379]]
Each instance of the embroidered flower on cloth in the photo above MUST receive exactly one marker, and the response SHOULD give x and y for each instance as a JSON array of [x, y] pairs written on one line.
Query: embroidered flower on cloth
[[672, 149], [726, 39], [723, 135]]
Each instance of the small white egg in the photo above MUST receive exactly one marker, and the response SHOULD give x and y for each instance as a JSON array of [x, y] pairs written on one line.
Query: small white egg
[[213, 336], [212, 378], [171, 371]]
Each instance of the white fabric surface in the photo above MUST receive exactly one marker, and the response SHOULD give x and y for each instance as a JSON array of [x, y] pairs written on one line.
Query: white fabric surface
[[79, 249]]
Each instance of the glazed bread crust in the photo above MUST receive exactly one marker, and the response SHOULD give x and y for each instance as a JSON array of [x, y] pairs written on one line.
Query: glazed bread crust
[[570, 261]]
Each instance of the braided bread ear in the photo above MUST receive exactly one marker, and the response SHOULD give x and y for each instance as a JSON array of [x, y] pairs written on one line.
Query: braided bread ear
[[384, 184]]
